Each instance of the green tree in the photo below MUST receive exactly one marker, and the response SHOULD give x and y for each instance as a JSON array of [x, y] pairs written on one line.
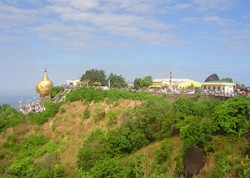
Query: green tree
[[233, 116], [9, 117], [137, 83], [93, 76], [227, 79], [117, 81], [143, 82]]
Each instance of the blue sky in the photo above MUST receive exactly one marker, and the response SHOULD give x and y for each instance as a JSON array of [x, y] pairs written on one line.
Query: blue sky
[[133, 38]]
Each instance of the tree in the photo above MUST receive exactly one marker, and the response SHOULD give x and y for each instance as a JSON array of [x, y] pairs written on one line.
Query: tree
[[143, 82], [117, 81], [227, 79], [137, 83], [94, 76], [233, 116]]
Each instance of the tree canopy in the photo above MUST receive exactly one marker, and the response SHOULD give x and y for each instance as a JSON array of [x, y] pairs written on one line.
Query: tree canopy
[[228, 79], [94, 76], [143, 82], [117, 81]]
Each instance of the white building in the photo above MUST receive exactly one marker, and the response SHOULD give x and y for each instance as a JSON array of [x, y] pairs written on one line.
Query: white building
[[73, 82]]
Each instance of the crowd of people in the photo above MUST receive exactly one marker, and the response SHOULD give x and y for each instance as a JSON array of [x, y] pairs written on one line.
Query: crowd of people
[[34, 106], [193, 91], [219, 93]]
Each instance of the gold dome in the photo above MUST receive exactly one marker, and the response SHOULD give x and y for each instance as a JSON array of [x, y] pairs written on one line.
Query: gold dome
[[44, 86]]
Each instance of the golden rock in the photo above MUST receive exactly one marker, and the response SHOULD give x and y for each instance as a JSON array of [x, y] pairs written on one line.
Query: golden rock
[[44, 86]]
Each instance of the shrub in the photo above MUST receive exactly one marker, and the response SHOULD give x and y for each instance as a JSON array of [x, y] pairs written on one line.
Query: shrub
[[233, 116], [179, 168], [59, 171], [86, 113], [136, 167], [230, 165], [93, 150], [90, 94], [108, 167], [112, 116], [99, 113], [19, 168], [9, 117], [44, 174], [163, 153], [2, 155]]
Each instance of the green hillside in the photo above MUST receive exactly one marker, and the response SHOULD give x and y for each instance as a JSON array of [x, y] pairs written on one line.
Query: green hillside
[[116, 133]]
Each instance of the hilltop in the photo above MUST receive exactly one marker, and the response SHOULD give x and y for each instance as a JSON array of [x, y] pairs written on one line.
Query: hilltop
[[125, 134]]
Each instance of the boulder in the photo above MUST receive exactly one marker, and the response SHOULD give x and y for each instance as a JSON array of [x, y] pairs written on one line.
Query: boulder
[[193, 162]]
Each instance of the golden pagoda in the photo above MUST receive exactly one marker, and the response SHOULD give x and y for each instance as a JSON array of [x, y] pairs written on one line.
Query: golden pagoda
[[44, 87]]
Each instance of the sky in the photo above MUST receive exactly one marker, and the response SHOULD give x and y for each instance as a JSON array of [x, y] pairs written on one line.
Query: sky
[[132, 38]]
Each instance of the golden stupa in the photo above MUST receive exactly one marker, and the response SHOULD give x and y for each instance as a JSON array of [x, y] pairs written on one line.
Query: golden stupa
[[44, 86]]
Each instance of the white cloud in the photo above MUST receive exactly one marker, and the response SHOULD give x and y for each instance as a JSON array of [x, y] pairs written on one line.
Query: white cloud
[[132, 19], [182, 6], [217, 20], [191, 20], [209, 20], [215, 5], [78, 23]]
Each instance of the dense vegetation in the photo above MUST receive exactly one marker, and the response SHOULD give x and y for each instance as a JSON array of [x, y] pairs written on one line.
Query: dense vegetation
[[9, 117], [136, 141]]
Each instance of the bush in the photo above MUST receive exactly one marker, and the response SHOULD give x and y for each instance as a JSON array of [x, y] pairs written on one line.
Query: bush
[[2, 155], [197, 132], [154, 118], [44, 174], [108, 167], [179, 168], [233, 116], [112, 116], [9, 117], [231, 165], [93, 150], [99, 113], [59, 171], [86, 113], [19, 168], [163, 153], [136, 167], [90, 94]]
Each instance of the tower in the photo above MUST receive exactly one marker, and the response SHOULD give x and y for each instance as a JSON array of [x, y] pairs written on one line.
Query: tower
[[170, 77]]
